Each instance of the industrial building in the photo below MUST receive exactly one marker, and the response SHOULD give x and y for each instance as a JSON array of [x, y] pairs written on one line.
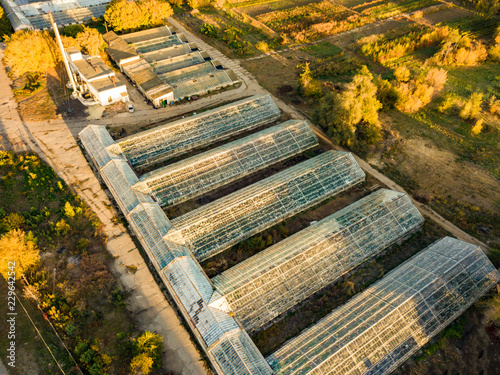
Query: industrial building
[[94, 77], [165, 67]]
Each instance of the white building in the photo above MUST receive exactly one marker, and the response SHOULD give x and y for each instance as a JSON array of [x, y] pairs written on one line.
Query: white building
[[93, 76]]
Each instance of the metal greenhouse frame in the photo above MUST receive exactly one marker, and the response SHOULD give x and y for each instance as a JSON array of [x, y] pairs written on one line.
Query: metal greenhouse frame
[[271, 282], [218, 225], [380, 328], [202, 173], [172, 139]]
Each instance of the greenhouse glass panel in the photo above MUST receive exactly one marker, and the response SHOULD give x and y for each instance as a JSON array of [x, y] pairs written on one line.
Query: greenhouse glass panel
[[281, 276], [380, 328], [120, 177], [172, 139], [156, 44], [218, 225], [95, 139], [178, 62], [202, 173], [228, 353]]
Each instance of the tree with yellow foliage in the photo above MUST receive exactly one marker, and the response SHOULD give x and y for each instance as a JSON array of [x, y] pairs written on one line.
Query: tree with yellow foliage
[[31, 52], [16, 246], [141, 364]]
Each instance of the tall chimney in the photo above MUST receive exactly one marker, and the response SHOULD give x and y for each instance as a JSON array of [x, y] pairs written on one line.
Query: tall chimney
[[65, 58]]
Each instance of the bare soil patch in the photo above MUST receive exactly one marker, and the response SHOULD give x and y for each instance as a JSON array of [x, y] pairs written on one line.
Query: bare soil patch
[[461, 191], [445, 15], [51, 102]]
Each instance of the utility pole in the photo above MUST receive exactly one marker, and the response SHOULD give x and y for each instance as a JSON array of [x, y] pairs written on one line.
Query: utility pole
[[65, 59]]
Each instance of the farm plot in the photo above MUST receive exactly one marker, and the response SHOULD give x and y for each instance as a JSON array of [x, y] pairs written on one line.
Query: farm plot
[[313, 21], [400, 42], [475, 25], [446, 15], [380, 9]]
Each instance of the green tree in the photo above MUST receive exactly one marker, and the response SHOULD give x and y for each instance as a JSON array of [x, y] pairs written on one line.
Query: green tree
[[341, 114], [16, 246], [309, 87], [91, 41], [72, 30], [490, 7], [31, 52], [209, 30], [5, 26]]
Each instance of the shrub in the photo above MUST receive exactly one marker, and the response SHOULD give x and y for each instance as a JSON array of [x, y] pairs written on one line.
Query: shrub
[[450, 100], [209, 30], [13, 221], [413, 95], [5, 26], [494, 52], [472, 107], [494, 105], [262, 46], [151, 344], [141, 364], [478, 126], [72, 30]]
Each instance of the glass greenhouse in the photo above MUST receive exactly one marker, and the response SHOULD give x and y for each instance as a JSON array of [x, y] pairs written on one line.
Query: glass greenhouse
[[227, 346], [156, 43], [380, 328], [202, 173], [218, 225], [178, 62], [172, 139], [271, 282], [203, 84]]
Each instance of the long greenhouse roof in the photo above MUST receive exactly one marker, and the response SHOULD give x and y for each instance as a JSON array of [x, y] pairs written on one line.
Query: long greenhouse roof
[[169, 52], [172, 139], [202, 173], [226, 344], [271, 282], [220, 224], [178, 62], [380, 328]]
